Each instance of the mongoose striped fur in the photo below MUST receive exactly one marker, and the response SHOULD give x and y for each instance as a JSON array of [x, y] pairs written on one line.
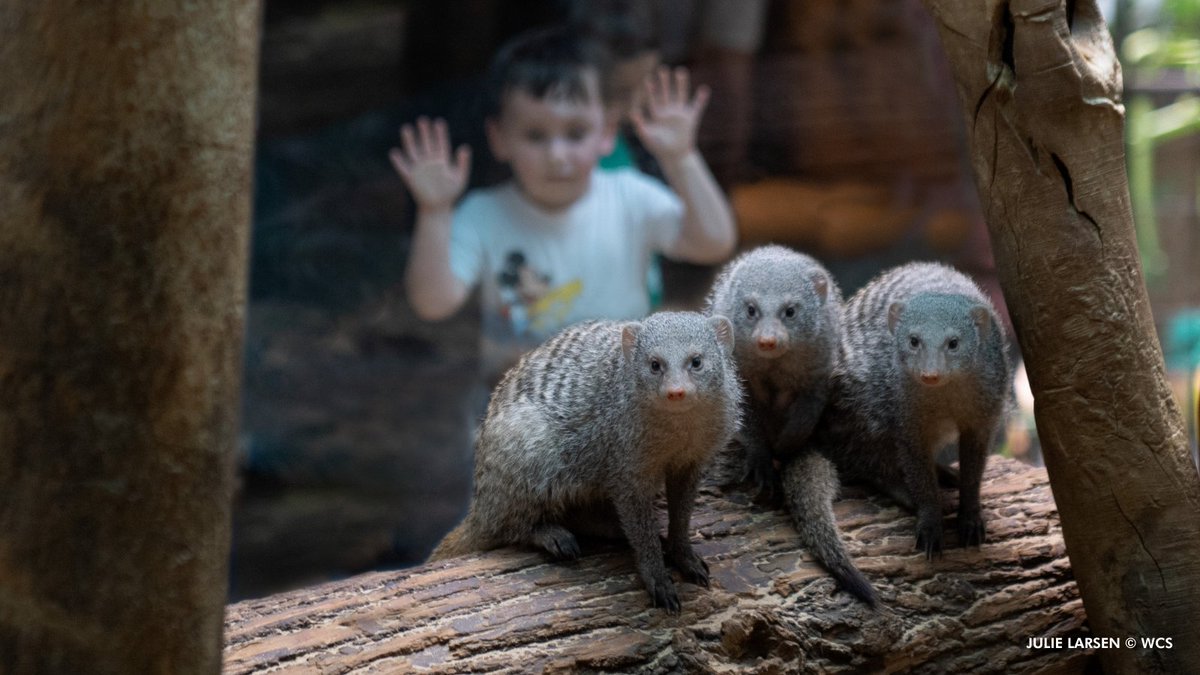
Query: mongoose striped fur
[[785, 309], [786, 313], [924, 365], [584, 431]]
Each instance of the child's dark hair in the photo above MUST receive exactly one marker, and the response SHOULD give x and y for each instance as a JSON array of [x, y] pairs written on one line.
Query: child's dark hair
[[544, 61]]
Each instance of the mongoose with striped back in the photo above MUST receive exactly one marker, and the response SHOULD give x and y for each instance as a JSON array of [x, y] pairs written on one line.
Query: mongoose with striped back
[[585, 429], [923, 366], [786, 313]]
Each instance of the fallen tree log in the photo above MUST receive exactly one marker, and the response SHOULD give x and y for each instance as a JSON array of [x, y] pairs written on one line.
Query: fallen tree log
[[771, 608]]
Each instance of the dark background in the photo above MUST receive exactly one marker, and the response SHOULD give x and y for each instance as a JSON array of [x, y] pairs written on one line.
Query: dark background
[[839, 135]]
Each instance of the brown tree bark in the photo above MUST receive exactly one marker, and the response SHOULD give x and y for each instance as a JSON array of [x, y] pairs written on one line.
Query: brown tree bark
[[771, 608], [126, 132], [1040, 87]]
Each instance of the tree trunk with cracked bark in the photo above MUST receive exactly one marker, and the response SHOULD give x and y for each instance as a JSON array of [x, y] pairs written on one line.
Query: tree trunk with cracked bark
[[1040, 86], [126, 132], [771, 608]]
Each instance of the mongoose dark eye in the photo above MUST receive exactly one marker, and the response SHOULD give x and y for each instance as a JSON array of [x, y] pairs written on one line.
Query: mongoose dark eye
[[790, 311], [952, 343], [655, 366], [751, 311], [697, 363], [914, 341]]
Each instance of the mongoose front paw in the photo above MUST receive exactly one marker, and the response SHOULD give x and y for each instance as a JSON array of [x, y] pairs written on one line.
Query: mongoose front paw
[[971, 530], [929, 538], [691, 566], [662, 593]]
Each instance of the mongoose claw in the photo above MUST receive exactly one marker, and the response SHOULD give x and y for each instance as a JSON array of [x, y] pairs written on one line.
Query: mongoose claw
[[568, 549], [662, 593], [929, 539], [971, 530], [692, 567], [557, 541]]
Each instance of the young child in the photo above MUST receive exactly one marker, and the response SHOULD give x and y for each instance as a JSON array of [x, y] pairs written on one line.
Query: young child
[[560, 242], [626, 29]]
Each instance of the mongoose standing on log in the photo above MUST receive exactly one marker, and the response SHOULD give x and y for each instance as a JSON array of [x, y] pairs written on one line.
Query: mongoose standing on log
[[924, 365], [584, 431], [785, 310], [786, 313]]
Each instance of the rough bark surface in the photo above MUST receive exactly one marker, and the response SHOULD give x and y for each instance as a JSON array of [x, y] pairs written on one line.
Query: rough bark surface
[[771, 608], [1040, 87], [126, 136]]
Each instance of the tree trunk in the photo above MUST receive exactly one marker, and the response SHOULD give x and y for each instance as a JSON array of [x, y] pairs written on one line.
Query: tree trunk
[[1040, 87], [771, 608], [126, 132]]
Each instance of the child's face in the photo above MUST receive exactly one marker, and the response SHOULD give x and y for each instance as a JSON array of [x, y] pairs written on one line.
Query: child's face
[[552, 144], [627, 82]]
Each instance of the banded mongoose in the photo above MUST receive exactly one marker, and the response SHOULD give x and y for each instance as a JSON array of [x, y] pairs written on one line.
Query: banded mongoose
[[924, 365], [786, 313], [785, 309], [585, 430]]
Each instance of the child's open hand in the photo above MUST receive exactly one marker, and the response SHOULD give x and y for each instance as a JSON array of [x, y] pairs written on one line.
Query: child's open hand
[[669, 132], [424, 163]]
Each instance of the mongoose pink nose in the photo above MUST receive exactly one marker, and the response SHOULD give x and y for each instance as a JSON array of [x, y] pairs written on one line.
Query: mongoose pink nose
[[930, 378], [766, 343], [676, 394]]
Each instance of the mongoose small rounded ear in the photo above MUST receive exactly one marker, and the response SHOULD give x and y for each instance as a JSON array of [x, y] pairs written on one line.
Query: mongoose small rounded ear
[[894, 312], [821, 285], [629, 335], [982, 319], [724, 331]]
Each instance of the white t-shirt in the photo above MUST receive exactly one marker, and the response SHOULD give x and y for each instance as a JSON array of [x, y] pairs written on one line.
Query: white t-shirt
[[541, 271]]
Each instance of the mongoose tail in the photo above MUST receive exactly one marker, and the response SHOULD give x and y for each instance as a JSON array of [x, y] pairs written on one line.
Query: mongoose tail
[[810, 484], [458, 541]]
